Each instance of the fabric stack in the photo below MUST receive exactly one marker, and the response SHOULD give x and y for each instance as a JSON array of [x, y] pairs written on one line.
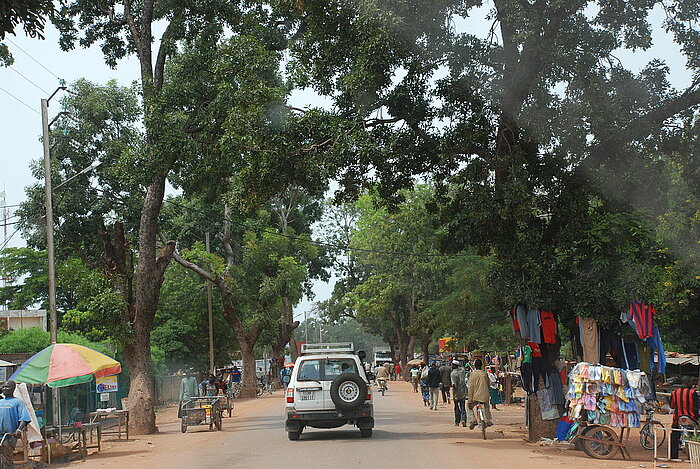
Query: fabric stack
[[606, 395]]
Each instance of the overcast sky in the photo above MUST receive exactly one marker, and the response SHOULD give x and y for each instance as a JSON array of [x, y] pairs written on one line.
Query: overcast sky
[[39, 64]]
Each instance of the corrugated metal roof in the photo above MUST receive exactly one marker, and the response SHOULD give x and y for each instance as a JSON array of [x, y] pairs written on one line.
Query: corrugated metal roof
[[683, 360]]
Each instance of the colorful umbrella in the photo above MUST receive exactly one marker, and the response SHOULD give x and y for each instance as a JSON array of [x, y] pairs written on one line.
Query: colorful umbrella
[[61, 365]]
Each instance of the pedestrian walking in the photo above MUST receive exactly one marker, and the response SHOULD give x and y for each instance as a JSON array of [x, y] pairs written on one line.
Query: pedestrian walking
[[434, 385], [494, 392], [424, 388], [415, 378], [459, 393], [397, 371], [445, 383]]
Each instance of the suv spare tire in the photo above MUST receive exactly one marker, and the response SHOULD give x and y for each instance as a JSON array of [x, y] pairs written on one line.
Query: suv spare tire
[[348, 391]]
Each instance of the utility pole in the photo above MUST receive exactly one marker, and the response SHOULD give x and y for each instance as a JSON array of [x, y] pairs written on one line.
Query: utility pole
[[48, 205], [211, 320]]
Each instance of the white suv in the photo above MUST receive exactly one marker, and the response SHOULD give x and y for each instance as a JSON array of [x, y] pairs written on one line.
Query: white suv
[[329, 388]]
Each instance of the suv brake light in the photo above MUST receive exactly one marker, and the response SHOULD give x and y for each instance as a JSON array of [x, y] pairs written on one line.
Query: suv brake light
[[368, 397], [290, 395]]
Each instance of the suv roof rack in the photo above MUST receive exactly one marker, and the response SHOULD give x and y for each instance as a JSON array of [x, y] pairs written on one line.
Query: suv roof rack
[[337, 347]]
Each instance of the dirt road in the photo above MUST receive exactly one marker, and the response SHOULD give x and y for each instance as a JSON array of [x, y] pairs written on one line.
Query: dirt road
[[406, 435]]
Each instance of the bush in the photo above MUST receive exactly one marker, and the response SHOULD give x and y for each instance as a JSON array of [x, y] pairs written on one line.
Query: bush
[[34, 340]]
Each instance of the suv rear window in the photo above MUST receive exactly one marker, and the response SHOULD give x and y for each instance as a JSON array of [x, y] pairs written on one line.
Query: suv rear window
[[325, 369]]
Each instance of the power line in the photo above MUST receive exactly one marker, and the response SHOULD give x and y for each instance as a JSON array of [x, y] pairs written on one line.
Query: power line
[[3, 89], [30, 81], [7, 241], [30, 56], [339, 247]]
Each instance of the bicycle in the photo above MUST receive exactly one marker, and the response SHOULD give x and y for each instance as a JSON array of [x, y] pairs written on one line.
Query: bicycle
[[646, 434], [262, 388], [236, 388], [480, 418]]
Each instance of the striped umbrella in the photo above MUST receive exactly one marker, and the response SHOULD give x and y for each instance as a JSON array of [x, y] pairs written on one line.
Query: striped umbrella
[[60, 365]]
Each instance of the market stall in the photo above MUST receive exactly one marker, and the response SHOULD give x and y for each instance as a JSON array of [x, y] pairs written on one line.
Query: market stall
[[61, 365]]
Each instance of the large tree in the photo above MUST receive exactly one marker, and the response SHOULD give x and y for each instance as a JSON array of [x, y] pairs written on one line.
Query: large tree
[[528, 130]]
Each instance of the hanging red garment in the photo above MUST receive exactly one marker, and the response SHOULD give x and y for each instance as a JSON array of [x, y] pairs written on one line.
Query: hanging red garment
[[643, 316], [516, 326], [549, 327]]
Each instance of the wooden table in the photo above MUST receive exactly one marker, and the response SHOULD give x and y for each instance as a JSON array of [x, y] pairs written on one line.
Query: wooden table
[[78, 435], [122, 426]]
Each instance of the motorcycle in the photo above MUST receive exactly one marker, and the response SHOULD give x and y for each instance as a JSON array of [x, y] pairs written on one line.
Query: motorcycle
[[688, 427], [381, 384]]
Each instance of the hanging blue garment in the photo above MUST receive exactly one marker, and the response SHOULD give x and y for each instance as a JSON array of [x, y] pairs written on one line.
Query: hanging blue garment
[[658, 347], [631, 357]]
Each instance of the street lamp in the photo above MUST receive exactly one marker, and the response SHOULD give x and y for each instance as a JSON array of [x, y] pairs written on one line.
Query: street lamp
[[48, 205]]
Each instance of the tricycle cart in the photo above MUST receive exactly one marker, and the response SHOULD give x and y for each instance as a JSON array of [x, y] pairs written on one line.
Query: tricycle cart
[[227, 401], [202, 411]]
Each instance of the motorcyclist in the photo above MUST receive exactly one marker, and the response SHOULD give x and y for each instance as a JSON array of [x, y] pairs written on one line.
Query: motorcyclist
[[684, 402], [381, 376]]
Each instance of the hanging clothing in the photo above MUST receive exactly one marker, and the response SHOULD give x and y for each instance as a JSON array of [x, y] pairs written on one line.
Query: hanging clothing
[[533, 322], [514, 322], [658, 347], [555, 389], [629, 354], [548, 411], [643, 316], [645, 352], [521, 316], [589, 340], [549, 327], [608, 340]]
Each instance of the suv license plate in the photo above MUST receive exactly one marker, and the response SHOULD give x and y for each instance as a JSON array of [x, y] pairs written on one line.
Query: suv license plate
[[307, 396]]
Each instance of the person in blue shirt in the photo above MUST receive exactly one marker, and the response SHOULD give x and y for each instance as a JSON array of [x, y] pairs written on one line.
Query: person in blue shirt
[[13, 420]]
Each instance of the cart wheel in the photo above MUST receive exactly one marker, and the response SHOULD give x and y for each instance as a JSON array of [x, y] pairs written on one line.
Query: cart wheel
[[599, 446], [183, 425]]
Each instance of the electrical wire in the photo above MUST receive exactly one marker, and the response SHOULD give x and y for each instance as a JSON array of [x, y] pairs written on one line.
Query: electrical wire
[[30, 81], [345, 248], [3, 89], [35, 60], [7, 241]]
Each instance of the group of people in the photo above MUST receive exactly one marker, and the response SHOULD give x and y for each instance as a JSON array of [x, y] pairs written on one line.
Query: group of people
[[467, 386]]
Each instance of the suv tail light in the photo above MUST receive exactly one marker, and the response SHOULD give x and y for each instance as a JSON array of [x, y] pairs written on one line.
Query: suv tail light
[[290, 395], [368, 397]]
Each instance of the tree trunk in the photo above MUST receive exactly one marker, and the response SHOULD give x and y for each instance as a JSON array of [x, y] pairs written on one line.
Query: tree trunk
[[149, 278], [293, 350], [250, 381], [426, 353], [142, 416], [409, 356]]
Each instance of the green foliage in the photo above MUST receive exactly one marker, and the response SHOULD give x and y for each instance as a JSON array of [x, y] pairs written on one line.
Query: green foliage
[[6, 58], [34, 340], [30, 14]]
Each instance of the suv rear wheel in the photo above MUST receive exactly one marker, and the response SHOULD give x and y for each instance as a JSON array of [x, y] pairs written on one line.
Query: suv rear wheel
[[348, 391], [294, 435]]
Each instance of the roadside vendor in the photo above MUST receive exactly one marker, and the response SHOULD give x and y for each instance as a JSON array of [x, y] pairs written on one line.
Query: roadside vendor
[[13, 420]]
